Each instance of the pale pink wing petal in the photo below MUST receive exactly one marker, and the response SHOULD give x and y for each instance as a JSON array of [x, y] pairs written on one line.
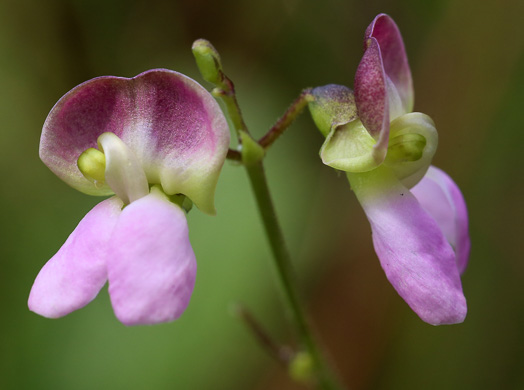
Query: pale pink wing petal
[[416, 257], [172, 124], [75, 275], [152, 268], [394, 58], [441, 198]]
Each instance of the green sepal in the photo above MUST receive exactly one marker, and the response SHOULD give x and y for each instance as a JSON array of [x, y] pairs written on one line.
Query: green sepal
[[332, 105], [348, 146]]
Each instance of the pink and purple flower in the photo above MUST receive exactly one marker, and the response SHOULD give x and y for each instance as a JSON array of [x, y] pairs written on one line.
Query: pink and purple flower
[[417, 213], [156, 142]]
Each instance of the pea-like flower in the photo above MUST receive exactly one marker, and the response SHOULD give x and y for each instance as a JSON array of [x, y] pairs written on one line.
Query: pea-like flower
[[417, 213], [157, 142]]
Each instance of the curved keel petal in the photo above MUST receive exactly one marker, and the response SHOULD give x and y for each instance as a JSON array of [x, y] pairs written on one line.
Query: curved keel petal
[[123, 172], [152, 267], [74, 276], [416, 257]]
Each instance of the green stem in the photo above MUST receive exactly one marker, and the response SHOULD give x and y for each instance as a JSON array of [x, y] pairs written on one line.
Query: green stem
[[252, 155], [285, 274], [226, 91]]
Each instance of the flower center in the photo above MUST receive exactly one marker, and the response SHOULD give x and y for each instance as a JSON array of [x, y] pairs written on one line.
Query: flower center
[[406, 147], [412, 143], [116, 165]]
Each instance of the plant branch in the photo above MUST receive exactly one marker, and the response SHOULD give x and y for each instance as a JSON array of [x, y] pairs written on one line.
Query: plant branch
[[287, 119]]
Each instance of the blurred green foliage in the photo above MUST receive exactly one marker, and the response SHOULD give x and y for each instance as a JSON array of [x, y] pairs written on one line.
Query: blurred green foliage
[[467, 58]]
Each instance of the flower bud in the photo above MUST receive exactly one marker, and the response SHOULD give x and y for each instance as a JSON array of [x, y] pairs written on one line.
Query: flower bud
[[208, 61], [301, 368]]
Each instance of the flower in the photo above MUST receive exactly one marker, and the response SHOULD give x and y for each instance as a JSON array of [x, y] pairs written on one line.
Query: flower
[[162, 140], [417, 214]]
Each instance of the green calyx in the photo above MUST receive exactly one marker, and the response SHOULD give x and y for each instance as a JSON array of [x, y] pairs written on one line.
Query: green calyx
[[332, 105], [348, 145], [208, 61], [92, 164]]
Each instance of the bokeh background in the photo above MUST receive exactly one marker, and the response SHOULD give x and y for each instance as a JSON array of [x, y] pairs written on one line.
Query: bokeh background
[[467, 59]]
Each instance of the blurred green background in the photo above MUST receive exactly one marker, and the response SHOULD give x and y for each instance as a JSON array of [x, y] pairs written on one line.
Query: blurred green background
[[467, 59]]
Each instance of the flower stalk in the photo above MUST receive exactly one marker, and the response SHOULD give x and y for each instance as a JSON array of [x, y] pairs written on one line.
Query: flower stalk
[[251, 153], [282, 261], [287, 119]]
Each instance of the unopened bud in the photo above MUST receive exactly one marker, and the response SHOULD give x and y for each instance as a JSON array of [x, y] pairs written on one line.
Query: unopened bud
[[301, 368], [208, 61]]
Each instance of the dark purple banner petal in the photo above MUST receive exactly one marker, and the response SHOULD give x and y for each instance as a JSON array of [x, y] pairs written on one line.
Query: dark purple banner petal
[[172, 124]]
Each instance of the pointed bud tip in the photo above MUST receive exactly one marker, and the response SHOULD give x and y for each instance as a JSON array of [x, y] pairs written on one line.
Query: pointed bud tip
[[208, 61]]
